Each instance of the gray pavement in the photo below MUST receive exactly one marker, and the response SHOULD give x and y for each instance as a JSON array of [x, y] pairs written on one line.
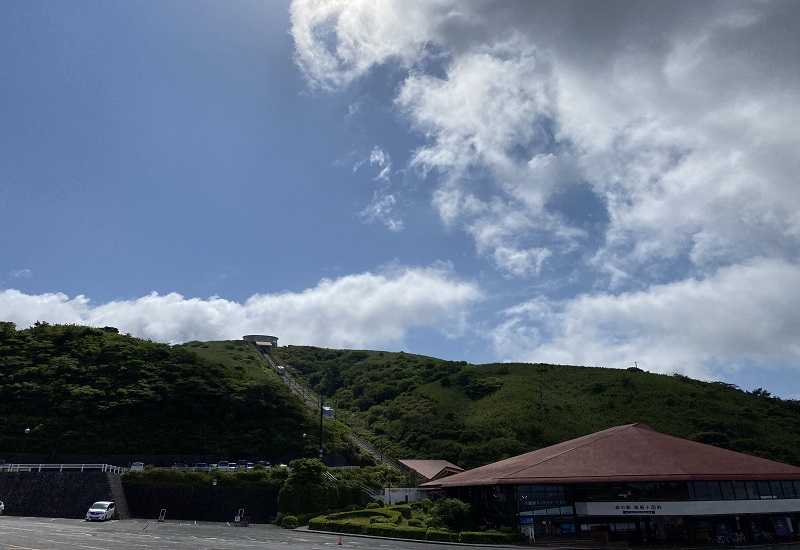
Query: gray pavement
[[26, 533]]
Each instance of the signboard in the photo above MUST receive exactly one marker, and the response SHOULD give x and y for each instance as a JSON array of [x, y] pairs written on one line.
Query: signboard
[[626, 508], [777, 507]]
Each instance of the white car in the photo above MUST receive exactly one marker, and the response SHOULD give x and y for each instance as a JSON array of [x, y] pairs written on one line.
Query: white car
[[101, 511]]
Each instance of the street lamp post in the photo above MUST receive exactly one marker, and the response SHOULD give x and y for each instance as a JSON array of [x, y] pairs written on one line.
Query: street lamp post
[[25, 441], [321, 402]]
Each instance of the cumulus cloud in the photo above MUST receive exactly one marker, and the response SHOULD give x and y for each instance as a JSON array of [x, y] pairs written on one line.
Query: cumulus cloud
[[338, 41], [679, 118], [703, 328], [366, 310], [662, 110]]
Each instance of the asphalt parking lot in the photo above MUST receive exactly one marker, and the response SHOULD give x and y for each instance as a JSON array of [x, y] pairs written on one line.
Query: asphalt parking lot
[[25, 533]]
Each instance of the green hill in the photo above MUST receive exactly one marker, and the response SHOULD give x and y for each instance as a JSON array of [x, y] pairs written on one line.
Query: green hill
[[85, 390], [421, 407], [94, 391]]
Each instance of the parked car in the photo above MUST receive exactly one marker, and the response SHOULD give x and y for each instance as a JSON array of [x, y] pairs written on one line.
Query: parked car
[[101, 510], [200, 467], [223, 466], [137, 466]]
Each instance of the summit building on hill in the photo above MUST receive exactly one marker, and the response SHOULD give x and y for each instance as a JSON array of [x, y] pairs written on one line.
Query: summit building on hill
[[635, 484]]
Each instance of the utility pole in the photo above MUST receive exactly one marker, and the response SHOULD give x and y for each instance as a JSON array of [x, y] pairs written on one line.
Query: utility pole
[[320, 425]]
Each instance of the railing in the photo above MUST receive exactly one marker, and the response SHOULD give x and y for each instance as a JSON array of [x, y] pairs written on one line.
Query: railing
[[62, 468], [312, 402], [371, 493]]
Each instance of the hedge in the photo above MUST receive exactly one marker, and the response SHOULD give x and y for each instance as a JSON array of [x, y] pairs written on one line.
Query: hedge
[[490, 537], [441, 535]]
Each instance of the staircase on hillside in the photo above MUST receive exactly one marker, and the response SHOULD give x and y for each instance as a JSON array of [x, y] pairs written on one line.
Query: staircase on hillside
[[312, 402]]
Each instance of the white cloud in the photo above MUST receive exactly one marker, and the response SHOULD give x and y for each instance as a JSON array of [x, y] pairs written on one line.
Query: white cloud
[[661, 109], [337, 41], [703, 328], [381, 209], [367, 310], [680, 117], [22, 274]]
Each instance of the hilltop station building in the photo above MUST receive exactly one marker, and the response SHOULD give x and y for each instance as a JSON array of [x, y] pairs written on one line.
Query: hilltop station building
[[633, 483]]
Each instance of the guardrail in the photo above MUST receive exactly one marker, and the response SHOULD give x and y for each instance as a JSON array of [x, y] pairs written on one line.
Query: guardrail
[[62, 468]]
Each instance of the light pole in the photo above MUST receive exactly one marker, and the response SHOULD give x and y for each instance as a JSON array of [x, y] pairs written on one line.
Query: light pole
[[304, 444], [25, 441], [321, 402]]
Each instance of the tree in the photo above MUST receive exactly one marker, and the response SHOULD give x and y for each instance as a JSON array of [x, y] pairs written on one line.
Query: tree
[[305, 489], [452, 513]]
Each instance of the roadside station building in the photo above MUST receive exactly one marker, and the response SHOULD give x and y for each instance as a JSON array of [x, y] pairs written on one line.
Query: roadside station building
[[635, 484]]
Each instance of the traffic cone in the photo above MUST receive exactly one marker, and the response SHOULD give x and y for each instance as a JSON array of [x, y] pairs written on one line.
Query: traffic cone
[[340, 542]]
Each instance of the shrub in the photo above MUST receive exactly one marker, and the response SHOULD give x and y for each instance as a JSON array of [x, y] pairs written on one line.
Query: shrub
[[409, 532], [379, 519], [380, 530], [289, 522], [415, 522], [441, 535], [488, 537], [452, 513], [426, 505], [372, 505]]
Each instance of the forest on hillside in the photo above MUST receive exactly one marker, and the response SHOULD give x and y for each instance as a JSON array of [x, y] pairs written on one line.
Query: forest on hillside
[[83, 390], [421, 407]]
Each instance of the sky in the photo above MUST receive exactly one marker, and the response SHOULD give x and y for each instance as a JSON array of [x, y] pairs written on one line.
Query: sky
[[608, 184]]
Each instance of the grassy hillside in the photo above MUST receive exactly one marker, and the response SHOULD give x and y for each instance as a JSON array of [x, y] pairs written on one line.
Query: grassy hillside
[[421, 407], [85, 390]]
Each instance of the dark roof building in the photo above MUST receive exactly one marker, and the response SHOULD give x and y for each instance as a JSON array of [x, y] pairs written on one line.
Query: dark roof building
[[638, 484]]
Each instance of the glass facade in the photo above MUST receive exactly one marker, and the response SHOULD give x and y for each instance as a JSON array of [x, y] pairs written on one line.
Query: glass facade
[[741, 490], [544, 510]]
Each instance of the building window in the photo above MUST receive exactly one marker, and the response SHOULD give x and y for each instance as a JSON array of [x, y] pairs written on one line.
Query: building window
[[727, 490], [700, 490]]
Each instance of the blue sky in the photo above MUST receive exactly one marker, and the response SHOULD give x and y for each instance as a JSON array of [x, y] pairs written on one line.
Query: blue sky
[[601, 184]]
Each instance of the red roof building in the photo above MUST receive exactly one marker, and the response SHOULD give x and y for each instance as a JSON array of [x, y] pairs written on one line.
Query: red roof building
[[431, 469], [637, 484]]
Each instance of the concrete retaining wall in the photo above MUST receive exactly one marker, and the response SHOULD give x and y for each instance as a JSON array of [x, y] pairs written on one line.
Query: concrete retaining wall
[[69, 495], [59, 494], [202, 503]]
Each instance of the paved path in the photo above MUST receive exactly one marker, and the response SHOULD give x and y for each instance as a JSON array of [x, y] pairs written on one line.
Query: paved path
[[21, 533]]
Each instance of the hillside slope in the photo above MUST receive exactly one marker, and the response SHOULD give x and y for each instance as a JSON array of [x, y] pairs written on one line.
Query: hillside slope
[[422, 407], [85, 390]]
